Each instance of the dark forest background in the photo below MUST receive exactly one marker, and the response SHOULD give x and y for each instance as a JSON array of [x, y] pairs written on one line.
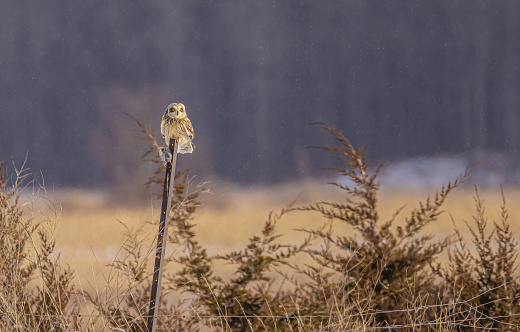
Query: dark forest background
[[407, 77]]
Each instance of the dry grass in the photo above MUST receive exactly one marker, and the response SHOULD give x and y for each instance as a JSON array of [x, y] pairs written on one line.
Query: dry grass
[[361, 271], [90, 234]]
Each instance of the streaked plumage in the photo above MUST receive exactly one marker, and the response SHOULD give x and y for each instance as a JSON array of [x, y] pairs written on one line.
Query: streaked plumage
[[176, 125]]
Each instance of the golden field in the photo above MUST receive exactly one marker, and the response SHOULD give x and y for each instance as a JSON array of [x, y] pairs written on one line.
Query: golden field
[[89, 231]]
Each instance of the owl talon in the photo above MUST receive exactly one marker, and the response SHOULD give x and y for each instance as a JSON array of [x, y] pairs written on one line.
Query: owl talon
[[165, 155]]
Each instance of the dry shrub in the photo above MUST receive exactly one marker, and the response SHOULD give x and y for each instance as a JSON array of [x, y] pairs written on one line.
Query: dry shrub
[[485, 280], [36, 290], [376, 275]]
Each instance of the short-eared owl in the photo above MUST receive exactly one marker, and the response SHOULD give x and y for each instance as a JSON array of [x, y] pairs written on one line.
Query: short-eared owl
[[176, 125]]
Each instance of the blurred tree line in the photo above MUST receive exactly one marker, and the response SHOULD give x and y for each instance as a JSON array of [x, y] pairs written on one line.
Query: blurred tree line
[[407, 77]]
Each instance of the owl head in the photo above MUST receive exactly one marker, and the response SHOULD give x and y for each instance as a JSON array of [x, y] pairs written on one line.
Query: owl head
[[176, 111]]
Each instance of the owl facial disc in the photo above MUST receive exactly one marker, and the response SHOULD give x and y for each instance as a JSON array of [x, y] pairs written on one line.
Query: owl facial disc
[[176, 110]]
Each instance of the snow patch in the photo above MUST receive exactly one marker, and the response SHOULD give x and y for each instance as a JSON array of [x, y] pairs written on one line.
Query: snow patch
[[424, 173]]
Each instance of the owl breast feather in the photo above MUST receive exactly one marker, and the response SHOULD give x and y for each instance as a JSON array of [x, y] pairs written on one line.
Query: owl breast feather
[[180, 130], [174, 129]]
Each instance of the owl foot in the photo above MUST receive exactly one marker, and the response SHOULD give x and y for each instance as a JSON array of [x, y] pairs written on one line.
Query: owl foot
[[165, 155]]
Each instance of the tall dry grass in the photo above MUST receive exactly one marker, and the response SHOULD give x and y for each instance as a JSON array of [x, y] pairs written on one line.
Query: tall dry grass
[[339, 264], [36, 290]]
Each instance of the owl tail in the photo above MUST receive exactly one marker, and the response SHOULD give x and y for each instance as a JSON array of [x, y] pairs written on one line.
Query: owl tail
[[185, 146]]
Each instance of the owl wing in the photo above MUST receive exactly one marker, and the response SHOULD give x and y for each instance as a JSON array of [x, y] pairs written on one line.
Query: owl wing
[[188, 127], [163, 127]]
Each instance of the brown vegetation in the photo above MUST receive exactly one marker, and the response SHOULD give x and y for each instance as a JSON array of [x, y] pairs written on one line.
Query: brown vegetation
[[383, 273], [27, 254]]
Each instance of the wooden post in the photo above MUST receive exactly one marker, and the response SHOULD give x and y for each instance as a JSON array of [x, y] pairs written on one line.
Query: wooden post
[[161, 238]]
